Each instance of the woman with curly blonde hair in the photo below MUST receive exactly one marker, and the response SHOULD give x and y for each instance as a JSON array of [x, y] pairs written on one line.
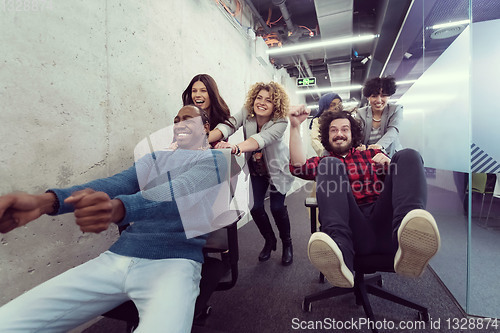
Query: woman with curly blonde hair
[[264, 121]]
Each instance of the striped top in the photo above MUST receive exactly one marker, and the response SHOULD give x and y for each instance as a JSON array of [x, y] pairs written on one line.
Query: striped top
[[375, 135]]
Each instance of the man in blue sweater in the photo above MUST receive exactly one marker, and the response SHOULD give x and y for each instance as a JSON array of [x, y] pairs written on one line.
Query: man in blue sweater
[[154, 262]]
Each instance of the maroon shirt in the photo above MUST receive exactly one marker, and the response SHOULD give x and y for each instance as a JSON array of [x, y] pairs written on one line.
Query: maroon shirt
[[366, 177]]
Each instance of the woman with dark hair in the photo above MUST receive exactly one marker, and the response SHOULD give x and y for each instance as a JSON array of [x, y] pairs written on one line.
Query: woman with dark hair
[[330, 102], [203, 92], [264, 121], [380, 119]]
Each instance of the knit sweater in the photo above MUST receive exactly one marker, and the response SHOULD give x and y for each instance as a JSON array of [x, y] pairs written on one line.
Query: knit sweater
[[156, 230]]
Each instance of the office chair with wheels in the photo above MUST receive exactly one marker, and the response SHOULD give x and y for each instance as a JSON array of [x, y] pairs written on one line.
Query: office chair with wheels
[[221, 255], [216, 274], [221, 273], [496, 194], [479, 185], [363, 265]]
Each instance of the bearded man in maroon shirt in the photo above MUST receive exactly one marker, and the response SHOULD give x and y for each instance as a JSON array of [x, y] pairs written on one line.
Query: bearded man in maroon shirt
[[368, 203]]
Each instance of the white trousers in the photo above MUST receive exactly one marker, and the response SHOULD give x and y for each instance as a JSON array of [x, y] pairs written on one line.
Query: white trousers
[[164, 291]]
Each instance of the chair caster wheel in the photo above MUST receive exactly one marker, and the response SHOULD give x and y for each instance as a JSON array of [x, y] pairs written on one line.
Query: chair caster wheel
[[423, 316], [200, 318], [208, 311], [306, 307]]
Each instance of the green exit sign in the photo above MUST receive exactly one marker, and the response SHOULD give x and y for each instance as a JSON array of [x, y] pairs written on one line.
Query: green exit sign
[[306, 81]]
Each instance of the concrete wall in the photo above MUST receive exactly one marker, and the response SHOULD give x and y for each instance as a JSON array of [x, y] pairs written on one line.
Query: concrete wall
[[81, 83]]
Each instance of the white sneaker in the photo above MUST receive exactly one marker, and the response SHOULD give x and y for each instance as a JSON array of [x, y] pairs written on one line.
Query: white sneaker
[[419, 241], [326, 256]]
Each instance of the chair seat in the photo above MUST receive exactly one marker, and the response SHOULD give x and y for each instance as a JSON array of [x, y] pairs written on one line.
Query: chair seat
[[218, 240], [373, 263], [126, 311]]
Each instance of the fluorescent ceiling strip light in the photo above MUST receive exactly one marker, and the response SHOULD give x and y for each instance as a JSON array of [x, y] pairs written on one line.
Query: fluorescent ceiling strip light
[[400, 83], [449, 24], [343, 88], [397, 37], [325, 43], [348, 103], [329, 89]]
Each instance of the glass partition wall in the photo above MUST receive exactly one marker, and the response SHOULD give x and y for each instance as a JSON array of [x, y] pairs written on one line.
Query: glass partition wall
[[444, 63], [484, 213]]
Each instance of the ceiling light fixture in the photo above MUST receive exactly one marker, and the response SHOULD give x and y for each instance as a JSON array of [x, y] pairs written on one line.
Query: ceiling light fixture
[[350, 103], [365, 60], [324, 44], [345, 104], [304, 91], [400, 83], [329, 89], [449, 24]]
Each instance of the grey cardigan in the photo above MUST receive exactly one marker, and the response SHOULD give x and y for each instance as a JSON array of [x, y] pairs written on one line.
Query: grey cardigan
[[270, 140], [390, 122]]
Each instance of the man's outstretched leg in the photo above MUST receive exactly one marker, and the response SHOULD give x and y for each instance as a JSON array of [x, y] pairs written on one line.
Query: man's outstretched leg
[[69, 299], [165, 292], [419, 241], [327, 257], [332, 250], [417, 233]]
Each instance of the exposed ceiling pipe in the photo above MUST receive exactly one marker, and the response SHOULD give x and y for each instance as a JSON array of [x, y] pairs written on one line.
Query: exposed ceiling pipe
[[291, 28], [305, 64], [256, 13], [284, 12]]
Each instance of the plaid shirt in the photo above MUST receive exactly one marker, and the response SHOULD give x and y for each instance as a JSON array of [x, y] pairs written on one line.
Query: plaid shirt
[[366, 178]]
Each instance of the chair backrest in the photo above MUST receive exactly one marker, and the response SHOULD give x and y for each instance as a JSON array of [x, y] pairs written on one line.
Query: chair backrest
[[224, 193], [222, 212], [225, 242], [205, 210], [496, 190], [479, 182]]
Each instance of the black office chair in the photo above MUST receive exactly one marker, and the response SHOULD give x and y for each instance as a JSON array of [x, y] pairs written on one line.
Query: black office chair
[[216, 274], [224, 243], [368, 264]]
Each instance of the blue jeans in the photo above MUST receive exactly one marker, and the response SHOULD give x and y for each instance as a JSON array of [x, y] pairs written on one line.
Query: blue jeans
[[259, 189], [164, 292]]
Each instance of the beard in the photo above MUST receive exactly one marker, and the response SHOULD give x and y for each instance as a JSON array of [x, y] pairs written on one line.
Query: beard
[[340, 149]]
